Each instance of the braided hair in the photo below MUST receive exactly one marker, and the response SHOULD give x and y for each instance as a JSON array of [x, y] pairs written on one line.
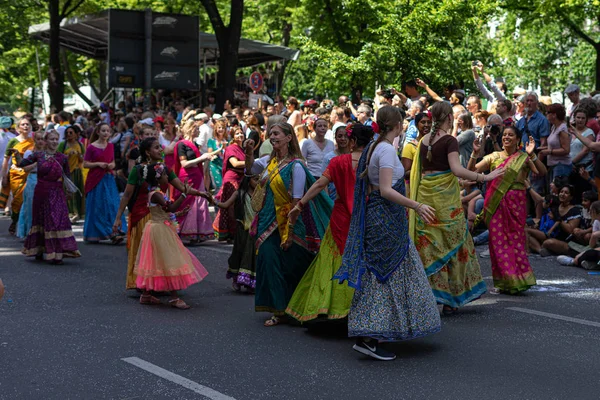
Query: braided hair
[[439, 113]]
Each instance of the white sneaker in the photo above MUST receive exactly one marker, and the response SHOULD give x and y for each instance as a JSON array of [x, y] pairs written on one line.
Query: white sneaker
[[485, 254], [565, 260]]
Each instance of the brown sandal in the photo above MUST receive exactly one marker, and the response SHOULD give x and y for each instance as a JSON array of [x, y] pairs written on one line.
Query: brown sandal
[[148, 299], [178, 303]]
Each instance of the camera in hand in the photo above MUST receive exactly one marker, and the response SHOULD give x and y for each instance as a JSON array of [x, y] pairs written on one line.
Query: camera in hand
[[495, 130], [387, 94]]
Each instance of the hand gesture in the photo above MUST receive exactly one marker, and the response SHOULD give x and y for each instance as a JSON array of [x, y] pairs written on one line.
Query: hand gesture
[[584, 173], [426, 213], [494, 174], [103, 165], [530, 148], [293, 215], [183, 212], [249, 146], [117, 226], [476, 146], [287, 244], [421, 83]]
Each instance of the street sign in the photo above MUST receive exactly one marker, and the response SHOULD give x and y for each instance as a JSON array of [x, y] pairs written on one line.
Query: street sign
[[256, 81]]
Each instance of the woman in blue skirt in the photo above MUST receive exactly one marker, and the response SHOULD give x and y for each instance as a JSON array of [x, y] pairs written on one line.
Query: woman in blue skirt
[[101, 194]]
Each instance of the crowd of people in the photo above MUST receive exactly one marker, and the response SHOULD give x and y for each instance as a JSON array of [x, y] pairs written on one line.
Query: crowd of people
[[368, 212]]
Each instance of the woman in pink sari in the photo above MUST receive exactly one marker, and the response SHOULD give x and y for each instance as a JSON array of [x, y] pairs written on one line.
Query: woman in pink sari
[[233, 173], [196, 224], [505, 209], [101, 194]]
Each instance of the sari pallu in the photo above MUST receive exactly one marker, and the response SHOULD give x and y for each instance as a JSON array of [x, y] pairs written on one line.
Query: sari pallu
[[392, 300], [25, 215], [225, 224], [445, 246], [50, 233], [505, 214], [278, 272]]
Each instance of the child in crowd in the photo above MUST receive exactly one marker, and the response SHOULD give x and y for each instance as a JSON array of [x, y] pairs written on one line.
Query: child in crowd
[[588, 259], [582, 234], [242, 267], [163, 262]]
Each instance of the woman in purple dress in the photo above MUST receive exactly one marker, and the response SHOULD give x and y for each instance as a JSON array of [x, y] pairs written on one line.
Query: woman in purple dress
[[51, 236]]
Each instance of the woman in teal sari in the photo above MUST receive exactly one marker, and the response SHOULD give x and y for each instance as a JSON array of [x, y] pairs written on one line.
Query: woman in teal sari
[[505, 209], [284, 251]]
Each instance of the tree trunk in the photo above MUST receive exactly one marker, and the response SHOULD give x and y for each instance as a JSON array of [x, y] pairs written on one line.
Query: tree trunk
[[56, 79], [71, 79], [229, 42], [597, 48]]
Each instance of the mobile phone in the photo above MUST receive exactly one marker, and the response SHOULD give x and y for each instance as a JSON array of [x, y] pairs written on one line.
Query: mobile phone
[[474, 63]]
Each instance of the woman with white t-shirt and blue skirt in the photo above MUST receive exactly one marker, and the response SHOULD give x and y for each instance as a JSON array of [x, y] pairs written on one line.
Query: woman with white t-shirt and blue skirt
[[314, 150], [393, 300]]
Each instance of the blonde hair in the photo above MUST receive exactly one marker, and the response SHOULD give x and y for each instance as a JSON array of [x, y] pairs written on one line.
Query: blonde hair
[[188, 128]]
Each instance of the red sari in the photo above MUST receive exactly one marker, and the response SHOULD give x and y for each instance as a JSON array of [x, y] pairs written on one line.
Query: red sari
[[225, 224], [343, 176]]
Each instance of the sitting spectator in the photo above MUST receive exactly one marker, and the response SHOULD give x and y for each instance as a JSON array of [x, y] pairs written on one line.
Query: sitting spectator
[[587, 259], [544, 228], [567, 217]]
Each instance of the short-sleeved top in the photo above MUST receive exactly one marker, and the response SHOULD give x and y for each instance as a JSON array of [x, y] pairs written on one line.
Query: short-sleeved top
[[314, 156], [596, 226], [384, 156], [537, 126], [439, 151], [183, 150], [465, 146], [298, 175], [409, 151], [573, 213]]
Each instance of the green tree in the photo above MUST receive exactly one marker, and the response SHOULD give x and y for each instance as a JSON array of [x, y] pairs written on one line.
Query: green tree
[[578, 22]]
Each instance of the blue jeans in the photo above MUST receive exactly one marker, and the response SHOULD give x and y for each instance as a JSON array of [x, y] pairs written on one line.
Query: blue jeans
[[561, 170], [482, 238]]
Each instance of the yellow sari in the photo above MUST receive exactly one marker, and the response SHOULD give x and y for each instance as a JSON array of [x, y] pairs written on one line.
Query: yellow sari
[[445, 246], [18, 176]]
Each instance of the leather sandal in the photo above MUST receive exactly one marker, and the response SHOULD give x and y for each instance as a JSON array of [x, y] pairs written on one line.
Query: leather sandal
[[178, 303], [149, 300]]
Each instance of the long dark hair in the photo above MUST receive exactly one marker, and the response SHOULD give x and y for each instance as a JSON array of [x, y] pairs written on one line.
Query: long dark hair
[[145, 146]]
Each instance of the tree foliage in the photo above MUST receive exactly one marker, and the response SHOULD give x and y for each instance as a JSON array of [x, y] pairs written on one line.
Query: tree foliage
[[352, 45]]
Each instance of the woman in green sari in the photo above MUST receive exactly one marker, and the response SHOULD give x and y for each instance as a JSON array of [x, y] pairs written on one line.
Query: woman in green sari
[[505, 209], [284, 250], [445, 246]]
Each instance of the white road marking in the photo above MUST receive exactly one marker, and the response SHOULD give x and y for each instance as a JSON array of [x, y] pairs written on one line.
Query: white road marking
[[555, 316], [178, 379]]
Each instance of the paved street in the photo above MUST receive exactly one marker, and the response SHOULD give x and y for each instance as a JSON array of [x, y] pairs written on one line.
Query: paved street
[[66, 330]]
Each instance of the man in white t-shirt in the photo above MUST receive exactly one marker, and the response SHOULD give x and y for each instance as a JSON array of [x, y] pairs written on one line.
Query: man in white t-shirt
[[202, 139]]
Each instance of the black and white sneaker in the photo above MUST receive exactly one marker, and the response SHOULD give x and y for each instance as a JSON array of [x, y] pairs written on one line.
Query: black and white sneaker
[[372, 349]]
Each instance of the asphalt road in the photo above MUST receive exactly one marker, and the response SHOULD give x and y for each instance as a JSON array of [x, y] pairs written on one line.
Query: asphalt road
[[65, 330]]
